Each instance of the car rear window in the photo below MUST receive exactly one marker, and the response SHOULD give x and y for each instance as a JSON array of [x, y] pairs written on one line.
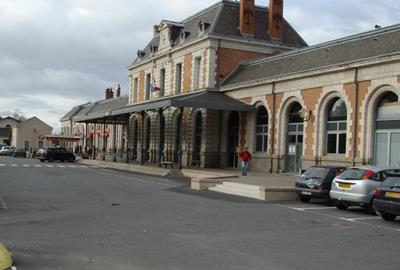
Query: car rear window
[[352, 174], [315, 173], [392, 181]]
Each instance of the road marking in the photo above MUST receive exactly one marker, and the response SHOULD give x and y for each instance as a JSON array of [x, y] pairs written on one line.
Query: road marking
[[49, 166], [310, 208], [362, 218], [60, 166], [2, 165], [72, 166], [353, 220], [82, 166], [26, 165], [3, 204], [14, 165], [38, 166]]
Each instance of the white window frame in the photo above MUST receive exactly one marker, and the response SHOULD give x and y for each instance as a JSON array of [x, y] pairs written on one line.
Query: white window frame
[[336, 132]]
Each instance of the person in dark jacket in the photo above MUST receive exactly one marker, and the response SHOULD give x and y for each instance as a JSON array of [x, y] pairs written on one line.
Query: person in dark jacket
[[245, 156]]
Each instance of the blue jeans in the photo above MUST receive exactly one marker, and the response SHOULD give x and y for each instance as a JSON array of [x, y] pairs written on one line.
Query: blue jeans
[[245, 167]]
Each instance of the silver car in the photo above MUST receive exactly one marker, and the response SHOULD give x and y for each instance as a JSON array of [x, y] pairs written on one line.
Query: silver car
[[356, 186]]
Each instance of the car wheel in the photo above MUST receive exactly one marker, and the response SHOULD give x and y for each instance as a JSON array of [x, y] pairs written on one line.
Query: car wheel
[[41, 160], [342, 206], [371, 208], [328, 201], [50, 159], [388, 217], [70, 160], [304, 199]]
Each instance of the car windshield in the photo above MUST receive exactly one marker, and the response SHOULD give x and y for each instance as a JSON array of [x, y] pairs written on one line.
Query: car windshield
[[352, 174], [392, 181], [315, 173]]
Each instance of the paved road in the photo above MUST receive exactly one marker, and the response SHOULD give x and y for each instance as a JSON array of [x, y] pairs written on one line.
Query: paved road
[[64, 217]]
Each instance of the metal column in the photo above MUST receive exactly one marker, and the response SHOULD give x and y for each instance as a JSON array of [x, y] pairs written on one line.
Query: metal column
[[180, 151], [142, 139], [114, 143], [160, 112], [104, 140], [94, 141], [127, 140]]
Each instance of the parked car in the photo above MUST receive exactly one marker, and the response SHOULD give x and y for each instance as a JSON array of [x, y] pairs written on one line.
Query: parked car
[[55, 153], [6, 261], [316, 183], [5, 151], [19, 152], [387, 198], [357, 185]]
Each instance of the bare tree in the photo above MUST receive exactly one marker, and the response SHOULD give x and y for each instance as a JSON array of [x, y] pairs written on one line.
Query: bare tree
[[16, 114]]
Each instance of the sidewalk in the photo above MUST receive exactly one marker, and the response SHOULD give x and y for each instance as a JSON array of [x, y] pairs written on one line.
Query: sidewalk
[[262, 186]]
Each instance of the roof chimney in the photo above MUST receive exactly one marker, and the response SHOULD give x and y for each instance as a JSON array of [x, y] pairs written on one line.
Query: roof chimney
[[118, 90], [275, 19], [247, 14], [109, 93]]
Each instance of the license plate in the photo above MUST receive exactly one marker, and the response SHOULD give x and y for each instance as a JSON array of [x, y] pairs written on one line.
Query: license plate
[[343, 185], [392, 195], [306, 192]]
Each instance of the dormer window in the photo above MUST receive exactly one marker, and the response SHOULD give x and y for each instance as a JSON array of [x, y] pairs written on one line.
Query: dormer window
[[153, 49], [203, 25], [140, 54], [183, 34]]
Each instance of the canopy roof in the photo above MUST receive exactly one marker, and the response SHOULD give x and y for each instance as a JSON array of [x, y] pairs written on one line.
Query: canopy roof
[[213, 100], [204, 99]]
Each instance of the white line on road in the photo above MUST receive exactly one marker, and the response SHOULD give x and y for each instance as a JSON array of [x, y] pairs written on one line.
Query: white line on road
[[311, 208], [14, 165], [353, 220], [2, 165], [72, 166], [362, 218], [60, 166], [38, 166], [26, 165], [49, 166], [82, 166]]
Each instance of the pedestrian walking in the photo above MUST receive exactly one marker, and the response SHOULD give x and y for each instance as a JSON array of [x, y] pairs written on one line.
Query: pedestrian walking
[[245, 156]]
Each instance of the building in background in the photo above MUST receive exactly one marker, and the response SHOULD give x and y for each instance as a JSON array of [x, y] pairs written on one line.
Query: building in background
[[26, 133]]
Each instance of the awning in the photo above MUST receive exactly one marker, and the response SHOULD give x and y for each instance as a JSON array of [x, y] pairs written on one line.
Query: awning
[[213, 100], [206, 100], [61, 138]]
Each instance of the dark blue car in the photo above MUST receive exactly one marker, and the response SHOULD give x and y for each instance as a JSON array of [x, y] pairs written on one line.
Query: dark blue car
[[387, 198]]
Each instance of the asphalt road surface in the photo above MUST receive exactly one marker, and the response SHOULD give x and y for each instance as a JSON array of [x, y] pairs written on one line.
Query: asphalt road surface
[[67, 216]]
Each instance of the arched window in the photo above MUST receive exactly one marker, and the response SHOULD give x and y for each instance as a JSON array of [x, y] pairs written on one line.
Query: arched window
[[261, 129], [336, 127]]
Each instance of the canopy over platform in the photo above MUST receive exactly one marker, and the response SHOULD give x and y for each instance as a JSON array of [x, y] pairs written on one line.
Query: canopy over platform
[[202, 99], [205, 99]]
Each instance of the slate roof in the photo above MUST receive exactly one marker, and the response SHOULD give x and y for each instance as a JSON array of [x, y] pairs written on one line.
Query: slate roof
[[72, 112], [372, 44], [101, 108], [223, 18]]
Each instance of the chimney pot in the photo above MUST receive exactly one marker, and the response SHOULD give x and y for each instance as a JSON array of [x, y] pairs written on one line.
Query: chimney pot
[[275, 19], [247, 14], [109, 93], [118, 90]]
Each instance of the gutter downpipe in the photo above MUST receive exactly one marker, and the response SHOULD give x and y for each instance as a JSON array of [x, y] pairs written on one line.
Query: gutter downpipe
[[355, 118], [273, 129]]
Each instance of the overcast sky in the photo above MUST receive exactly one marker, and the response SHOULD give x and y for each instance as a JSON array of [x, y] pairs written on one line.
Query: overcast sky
[[58, 54]]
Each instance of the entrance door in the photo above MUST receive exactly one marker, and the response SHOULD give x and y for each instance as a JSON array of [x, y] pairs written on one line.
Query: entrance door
[[294, 145], [233, 139], [387, 148]]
